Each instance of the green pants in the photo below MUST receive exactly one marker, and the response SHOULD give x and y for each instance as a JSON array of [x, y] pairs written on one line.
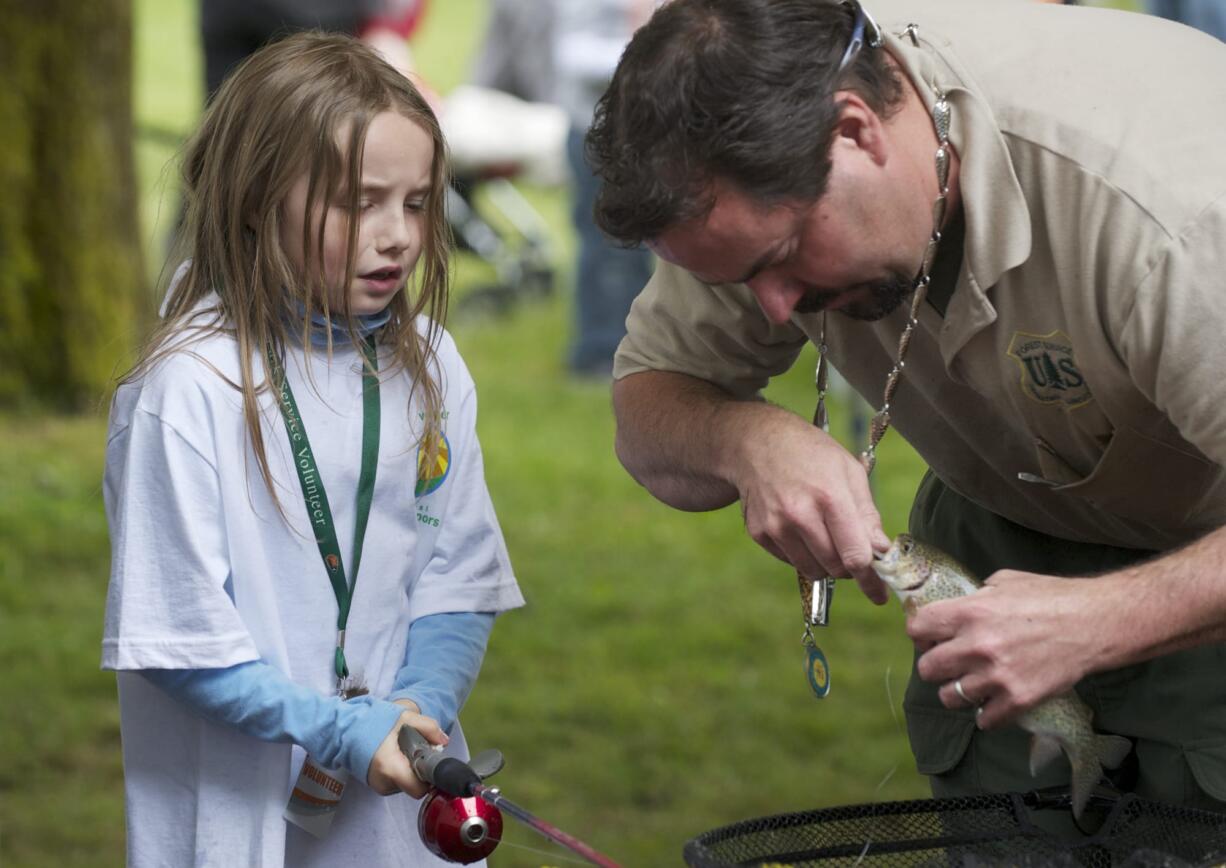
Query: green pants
[[1173, 708]]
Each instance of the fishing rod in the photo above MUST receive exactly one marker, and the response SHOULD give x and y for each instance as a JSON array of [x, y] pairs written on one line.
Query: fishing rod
[[461, 819]]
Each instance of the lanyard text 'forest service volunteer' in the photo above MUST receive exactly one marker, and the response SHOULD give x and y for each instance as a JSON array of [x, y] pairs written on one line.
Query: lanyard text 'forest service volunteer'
[[316, 498]]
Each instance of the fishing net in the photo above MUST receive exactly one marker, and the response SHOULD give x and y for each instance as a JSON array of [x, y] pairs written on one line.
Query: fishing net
[[974, 832]]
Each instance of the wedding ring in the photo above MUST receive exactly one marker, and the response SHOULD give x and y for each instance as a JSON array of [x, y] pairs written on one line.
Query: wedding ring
[[962, 693]]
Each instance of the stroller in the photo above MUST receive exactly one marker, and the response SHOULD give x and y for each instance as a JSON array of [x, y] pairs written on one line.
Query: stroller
[[494, 137]]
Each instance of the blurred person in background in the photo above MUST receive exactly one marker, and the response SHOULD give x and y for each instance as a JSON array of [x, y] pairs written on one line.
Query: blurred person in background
[[232, 29], [588, 39], [1206, 15], [511, 58], [583, 40]]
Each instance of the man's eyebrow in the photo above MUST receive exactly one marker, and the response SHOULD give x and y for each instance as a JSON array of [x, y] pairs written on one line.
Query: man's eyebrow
[[762, 261]]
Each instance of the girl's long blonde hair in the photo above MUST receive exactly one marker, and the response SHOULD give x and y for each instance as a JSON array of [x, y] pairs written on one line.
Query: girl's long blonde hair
[[284, 111]]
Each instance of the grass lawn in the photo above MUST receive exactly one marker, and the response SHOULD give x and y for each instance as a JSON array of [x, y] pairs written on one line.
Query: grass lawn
[[651, 690]]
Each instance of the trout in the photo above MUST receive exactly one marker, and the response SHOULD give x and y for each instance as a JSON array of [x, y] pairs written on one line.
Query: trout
[[920, 574]]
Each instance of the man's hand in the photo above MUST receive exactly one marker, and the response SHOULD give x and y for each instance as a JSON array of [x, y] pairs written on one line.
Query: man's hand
[[807, 501], [1022, 639], [805, 498], [1027, 637], [390, 770]]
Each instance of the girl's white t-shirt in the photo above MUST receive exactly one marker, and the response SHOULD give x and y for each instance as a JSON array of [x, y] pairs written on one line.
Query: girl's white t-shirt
[[207, 573]]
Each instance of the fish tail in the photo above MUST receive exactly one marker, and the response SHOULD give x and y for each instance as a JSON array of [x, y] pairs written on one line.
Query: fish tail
[[1086, 773], [1088, 760]]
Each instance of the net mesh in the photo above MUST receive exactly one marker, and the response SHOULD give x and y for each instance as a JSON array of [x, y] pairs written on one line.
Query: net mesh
[[974, 832]]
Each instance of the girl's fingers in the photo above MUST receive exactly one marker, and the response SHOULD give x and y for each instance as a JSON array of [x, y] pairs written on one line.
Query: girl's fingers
[[427, 726]]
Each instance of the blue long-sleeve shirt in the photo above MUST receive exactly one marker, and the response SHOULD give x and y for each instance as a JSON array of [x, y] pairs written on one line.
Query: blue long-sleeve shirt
[[441, 661]]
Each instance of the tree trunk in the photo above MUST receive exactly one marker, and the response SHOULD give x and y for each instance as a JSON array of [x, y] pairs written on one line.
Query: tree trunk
[[71, 272]]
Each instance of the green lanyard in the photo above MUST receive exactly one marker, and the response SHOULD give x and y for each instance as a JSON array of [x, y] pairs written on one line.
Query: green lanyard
[[316, 497]]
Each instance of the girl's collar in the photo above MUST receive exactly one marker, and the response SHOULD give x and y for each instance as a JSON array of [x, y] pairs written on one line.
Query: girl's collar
[[363, 325]]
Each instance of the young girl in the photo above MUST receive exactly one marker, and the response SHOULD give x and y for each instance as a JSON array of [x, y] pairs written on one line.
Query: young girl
[[294, 484]]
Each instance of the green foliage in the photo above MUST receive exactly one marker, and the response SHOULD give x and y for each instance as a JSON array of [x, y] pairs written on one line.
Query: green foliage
[[60, 784]]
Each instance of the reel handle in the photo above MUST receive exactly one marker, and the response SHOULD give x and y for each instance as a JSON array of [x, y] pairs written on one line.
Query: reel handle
[[446, 773]]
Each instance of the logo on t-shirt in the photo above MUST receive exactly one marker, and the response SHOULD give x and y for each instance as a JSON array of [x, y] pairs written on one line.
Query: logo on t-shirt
[[1049, 369], [430, 479]]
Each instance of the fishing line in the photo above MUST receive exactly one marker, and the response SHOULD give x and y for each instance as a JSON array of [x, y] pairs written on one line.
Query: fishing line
[[549, 853], [889, 698], [553, 857], [884, 781]]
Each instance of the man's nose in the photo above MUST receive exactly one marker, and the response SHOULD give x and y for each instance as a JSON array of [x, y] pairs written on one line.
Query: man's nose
[[776, 294]]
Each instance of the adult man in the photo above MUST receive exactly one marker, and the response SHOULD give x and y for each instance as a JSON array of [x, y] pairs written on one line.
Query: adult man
[[1060, 378]]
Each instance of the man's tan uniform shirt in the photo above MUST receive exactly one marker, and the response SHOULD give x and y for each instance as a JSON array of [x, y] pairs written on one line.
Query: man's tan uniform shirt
[[1084, 345]]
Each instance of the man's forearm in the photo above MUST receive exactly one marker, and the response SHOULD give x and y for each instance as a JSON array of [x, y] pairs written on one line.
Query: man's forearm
[[681, 437], [1174, 602]]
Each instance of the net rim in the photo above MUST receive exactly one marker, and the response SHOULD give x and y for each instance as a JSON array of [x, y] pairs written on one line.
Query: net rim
[[1122, 809]]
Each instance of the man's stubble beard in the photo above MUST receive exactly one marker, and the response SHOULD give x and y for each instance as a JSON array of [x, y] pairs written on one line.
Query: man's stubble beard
[[873, 301]]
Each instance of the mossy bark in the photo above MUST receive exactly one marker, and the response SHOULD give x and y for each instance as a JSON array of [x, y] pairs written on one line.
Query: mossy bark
[[70, 259]]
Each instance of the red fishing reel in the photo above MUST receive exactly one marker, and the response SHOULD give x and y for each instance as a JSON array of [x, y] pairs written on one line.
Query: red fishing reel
[[454, 823], [459, 829], [460, 820]]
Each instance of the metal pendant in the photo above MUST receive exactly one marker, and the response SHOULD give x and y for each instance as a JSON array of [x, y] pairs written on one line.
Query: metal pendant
[[940, 118], [816, 668], [815, 597]]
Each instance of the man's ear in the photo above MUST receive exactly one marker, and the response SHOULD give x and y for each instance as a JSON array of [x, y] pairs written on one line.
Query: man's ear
[[859, 127]]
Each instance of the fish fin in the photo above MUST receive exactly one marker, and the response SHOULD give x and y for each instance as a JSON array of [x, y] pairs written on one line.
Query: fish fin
[[1043, 749], [1111, 749]]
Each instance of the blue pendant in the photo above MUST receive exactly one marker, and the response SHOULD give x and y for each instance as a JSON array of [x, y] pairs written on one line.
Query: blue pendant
[[818, 671]]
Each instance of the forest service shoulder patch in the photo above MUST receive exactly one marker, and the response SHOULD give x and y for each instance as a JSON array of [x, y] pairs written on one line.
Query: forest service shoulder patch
[[1049, 372]]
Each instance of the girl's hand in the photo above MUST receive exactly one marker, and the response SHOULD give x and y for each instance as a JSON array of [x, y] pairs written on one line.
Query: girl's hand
[[390, 770]]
